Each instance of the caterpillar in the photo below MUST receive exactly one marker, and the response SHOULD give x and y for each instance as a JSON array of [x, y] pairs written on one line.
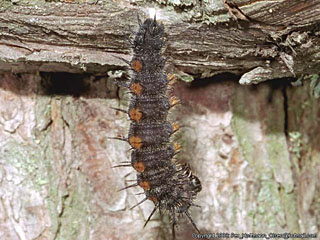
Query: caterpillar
[[170, 185]]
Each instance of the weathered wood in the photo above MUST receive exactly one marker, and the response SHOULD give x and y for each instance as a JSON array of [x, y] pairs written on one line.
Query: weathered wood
[[282, 38], [255, 148]]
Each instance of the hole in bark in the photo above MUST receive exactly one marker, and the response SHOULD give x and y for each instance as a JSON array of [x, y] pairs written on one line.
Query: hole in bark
[[221, 77], [64, 83]]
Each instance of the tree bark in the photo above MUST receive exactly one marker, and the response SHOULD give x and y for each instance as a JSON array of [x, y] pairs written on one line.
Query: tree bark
[[276, 39], [255, 148]]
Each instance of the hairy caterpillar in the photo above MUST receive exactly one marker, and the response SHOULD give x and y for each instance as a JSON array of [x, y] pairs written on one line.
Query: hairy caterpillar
[[171, 186]]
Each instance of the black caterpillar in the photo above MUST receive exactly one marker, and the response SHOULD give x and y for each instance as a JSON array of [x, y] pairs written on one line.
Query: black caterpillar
[[170, 185]]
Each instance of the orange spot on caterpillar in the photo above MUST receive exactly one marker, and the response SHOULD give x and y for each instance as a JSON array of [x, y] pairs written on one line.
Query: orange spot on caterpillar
[[135, 114], [136, 65], [171, 79], [174, 101], [135, 142], [139, 166], [175, 127], [136, 88], [177, 147], [145, 185]]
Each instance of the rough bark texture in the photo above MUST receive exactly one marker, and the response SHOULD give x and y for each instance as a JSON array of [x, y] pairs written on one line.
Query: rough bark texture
[[255, 148], [280, 39]]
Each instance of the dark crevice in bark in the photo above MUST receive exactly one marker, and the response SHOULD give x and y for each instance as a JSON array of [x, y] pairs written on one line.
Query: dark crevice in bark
[[64, 83], [60, 216], [221, 77], [46, 127], [77, 84], [65, 122], [278, 84]]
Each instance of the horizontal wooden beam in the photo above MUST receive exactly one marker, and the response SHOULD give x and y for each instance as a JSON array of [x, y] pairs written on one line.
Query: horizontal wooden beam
[[274, 39]]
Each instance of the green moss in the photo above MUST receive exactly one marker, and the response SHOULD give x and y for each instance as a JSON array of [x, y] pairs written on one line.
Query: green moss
[[67, 207], [277, 148], [270, 209], [249, 148], [67, 204], [186, 78], [295, 141], [315, 85], [28, 160], [74, 219], [5, 4], [289, 203], [53, 189], [263, 144]]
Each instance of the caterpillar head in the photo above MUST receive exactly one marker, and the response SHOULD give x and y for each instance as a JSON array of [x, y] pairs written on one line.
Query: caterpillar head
[[150, 37]]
